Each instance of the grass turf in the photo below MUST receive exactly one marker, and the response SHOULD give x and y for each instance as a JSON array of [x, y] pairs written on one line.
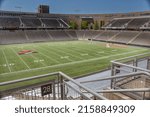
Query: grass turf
[[74, 58]]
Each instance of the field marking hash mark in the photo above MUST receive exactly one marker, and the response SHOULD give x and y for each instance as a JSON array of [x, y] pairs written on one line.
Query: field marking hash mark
[[75, 62], [6, 61]]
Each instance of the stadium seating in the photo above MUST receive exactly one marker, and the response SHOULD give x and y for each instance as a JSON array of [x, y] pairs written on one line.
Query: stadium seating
[[28, 28], [51, 23], [59, 35], [106, 35], [127, 23], [72, 34], [125, 36], [142, 39], [91, 34], [12, 37], [85, 34], [137, 23], [63, 24], [37, 35], [31, 22], [118, 23], [29, 36], [9, 22], [80, 34]]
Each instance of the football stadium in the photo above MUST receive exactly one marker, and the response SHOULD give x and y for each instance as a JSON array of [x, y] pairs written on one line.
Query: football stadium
[[47, 56]]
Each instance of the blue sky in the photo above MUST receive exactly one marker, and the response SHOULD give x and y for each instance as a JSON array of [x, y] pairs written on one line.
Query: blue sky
[[78, 6]]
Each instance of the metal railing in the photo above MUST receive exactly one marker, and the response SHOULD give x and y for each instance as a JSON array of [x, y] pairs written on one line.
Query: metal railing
[[61, 89], [129, 76], [122, 79], [130, 64]]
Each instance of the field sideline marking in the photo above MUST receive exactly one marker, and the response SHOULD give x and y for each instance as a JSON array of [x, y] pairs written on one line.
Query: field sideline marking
[[20, 58], [99, 58], [6, 61]]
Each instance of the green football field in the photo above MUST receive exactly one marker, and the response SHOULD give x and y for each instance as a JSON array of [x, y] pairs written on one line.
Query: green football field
[[74, 58]]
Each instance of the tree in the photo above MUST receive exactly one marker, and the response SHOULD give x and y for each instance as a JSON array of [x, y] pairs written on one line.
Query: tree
[[73, 25], [84, 25], [91, 25], [96, 26], [102, 23]]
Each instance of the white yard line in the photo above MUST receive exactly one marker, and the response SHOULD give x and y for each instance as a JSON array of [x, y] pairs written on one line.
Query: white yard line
[[35, 58], [6, 61], [49, 51], [84, 54], [48, 56], [76, 53], [72, 54], [81, 52], [100, 52], [64, 53], [55, 53], [76, 62], [92, 48], [64, 57], [21, 59]]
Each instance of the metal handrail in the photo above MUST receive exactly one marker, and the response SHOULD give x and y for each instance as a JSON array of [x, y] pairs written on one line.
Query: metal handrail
[[53, 74], [83, 87], [118, 77], [130, 66], [134, 56], [28, 79], [125, 90]]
